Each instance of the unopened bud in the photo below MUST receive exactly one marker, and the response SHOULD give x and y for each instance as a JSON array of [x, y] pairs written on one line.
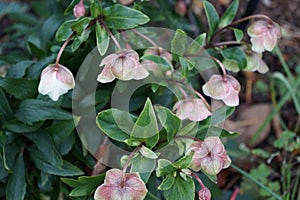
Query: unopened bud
[[126, 2], [180, 7], [79, 9], [204, 194]]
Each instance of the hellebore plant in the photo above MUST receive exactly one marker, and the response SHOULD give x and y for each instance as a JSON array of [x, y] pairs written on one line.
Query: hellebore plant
[[150, 134]]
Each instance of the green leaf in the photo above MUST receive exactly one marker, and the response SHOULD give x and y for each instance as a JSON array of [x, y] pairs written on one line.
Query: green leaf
[[148, 153], [167, 183], [45, 145], [164, 168], [18, 127], [122, 17], [67, 169], [18, 70], [20, 88], [144, 166], [235, 54], [145, 126], [96, 9], [239, 34], [229, 14], [205, 131], [178, 43], [65, 30], [162, 62], [102, 38], [221, 114], [116, 124], [5, 108], [212, 17], [16, 186], [186, 66], [60, 130], [197, 44], [183, 162], [84, 185], [69, 9], [181, 189], [79, 39], [169, 121], [79, 26], [34, 110]]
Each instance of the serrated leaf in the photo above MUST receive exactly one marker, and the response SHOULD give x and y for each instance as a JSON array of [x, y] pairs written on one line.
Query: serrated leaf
[[115, 123], [167, 183], [181, 189], [122, 17], [229, 14], [21, 88], [146, 127], [235, 54], [178, 43], [102, 38], [169, 121], [212, 17], [16, 186], [34, 110]]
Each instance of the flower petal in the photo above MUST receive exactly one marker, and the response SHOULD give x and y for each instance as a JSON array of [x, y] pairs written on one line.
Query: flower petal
[[47, 82], [257, 44], [215, 87], [270, 40], [106, 75], [232, 99]]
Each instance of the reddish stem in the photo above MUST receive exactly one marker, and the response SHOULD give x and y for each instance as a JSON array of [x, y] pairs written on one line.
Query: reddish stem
[[198, 180], [62, 48], [131, 156]]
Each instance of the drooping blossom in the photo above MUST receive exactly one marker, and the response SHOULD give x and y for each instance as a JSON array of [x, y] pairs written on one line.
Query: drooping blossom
[[79, 9], [55, 81], [192, 109], [121, 186], [123, 65], [152, 66], [204, 194], [225, 89], [209, 155], [256, 63], [264, 35]]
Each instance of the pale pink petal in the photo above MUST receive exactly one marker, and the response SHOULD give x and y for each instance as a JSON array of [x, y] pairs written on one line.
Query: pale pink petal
[[183, 109], [106, 75], [270, 40], [199, 111], [57, 92], [204, 194], [232, 99], [47, 82], [215, 87], [109, 60], [226, 160], [113, 177], [214, 145], [234, 83], [258, 28], [104, 192], [257, 44], [211, 165], [65, 76], [262, 67]]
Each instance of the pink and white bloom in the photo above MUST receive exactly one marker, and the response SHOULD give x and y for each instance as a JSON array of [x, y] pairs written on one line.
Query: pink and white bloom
[[55, 81], [79, 9], [123, 65], [264, 35], [225, 89], [255, 63], [209, 156], [192, 109], [120, 186], [204, 194]]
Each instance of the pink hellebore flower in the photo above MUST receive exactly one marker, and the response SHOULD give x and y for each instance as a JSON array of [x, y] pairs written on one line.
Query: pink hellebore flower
[[123, 65], [204, 194], [263, 35], [120, 186], [226, 90], [192, 109], [79, 9], [55, 81], [255, 63], [209, 156]]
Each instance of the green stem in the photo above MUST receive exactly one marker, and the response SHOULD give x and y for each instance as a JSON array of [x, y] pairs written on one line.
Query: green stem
[[283, 63], [247, 175], [274, 112]]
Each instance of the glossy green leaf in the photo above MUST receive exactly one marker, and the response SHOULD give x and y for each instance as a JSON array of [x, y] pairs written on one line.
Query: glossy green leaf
[[16, 186], [162, 62], [69, 9], [169, 121], [183, 162], [197, 44], [235, 54], [116, 124], [239, 34], [5, 108], [205, 131], [212, 17], [164, 167], [79, 26], [102, 38], [60, 130], [18, 127], [148, 153], [96, 9], [20, 88], [146, 127], [18, 70], [181, 189], [79, 39], [178, 43], [229, 14], [144, 166], [167, 183], [65, 30], [122, 17], [34, 110]]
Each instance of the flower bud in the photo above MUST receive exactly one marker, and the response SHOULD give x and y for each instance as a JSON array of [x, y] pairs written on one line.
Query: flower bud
[[226, 90], [204, 194], [79, 9], [55, 81], [126, 2], [118, 185], [180, 7], [263, 35]]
